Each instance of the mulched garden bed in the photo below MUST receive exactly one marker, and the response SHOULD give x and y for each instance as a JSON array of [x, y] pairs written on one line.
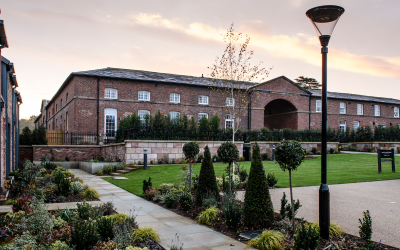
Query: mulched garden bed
[[348, 241]]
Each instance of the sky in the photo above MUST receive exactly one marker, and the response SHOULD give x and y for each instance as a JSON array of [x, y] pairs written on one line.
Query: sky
[[49, 39]]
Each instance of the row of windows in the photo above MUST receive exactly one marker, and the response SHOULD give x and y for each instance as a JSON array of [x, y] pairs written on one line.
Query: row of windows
[[360, 109], [173, 97], [356, 125]]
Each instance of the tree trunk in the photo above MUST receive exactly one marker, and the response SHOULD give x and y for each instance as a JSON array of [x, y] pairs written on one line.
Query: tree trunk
[[229, 172], [190, 176], [291, 197]]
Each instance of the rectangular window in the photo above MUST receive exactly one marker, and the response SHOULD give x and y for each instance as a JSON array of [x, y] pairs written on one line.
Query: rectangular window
[[203, 99], [230, 102], [318, 107], [175, 98], [174, 115], [360, 109], [228, 121], [143, 113], [356, 125], [144, 95], [377, 110], [111, 93], [110, 122], [201, 115], [342, 108], [396, 112], [342, 126]]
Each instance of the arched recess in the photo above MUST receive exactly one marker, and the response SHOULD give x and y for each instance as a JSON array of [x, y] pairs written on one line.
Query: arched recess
[[280, 114]]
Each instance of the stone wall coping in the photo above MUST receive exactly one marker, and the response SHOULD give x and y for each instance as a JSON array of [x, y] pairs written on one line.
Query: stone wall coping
[[177, 141], [252, 142], [377, 142], [25, 146], [113, 144], [66, 146]]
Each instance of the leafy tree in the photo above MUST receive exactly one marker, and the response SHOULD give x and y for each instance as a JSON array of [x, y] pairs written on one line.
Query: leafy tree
[[308, 83], [203, 124], [26, 137], [39, 136], [258, 210], [228, 153], [289, 155], [190, 149], [207, 182]]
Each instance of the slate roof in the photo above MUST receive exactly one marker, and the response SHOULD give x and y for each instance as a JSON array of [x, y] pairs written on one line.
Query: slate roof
[[140, 75], [334, 95]]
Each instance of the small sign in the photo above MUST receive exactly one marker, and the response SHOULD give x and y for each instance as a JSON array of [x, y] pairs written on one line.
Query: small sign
[[385, 155]]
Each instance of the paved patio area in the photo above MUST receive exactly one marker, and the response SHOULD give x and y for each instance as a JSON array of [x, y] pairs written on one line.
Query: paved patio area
[[348, 201], [166, 223]]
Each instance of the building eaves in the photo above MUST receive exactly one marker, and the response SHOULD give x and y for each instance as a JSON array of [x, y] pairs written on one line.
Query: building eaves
[[354, 97], [14, 80], [3, 36]]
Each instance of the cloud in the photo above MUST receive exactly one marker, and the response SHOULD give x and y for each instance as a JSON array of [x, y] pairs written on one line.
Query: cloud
[[300, 46]]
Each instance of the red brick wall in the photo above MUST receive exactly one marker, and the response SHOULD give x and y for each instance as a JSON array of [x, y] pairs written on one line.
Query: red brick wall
[[25, 152], [116, 151]]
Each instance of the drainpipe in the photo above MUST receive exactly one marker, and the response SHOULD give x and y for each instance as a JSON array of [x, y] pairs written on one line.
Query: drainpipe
[[249, 113], [309, 114], [98, 111]]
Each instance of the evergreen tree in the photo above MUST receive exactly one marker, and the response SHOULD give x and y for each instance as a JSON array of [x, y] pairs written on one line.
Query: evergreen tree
[[41, 138], [185, 122], [192, 123], [308, 83], [203, 125], [207, 182], [26, 136], [215, 122], [258, 211], [159, 120]]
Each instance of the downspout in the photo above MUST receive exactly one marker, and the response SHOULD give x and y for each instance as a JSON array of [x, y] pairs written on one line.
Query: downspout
[[309, 113], [249, 113], [13, 135], [98, 111]]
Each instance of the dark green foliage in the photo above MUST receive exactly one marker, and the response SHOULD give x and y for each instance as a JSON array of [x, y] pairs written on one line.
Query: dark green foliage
[[265, 157], [49, 165], [185, 201], [65, 187], [257, 208], [192, 123], [146, 185], [306, 238], [209, 202], [366, 227], [286, 209], [215, 122], [228, 153], [207, 183], [203, 124], [314, 150], [105, 227], [200, 159], [289, 155], [282, 211], [108, 170], [232, 212], [26, 137], [331, 150], [84, 235], [67, 214], [191, 149], [58, 176], [272, 180], [85, 210], [170, 199], [39, 136]]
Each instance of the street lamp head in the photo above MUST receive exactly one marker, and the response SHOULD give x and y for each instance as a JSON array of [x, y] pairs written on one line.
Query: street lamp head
[[324, 19]]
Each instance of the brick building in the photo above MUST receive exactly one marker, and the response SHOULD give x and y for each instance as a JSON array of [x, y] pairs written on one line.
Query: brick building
[[96, 100], [10, 100]]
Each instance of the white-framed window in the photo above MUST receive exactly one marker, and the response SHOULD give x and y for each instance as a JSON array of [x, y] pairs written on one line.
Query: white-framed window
[[228, 121], [144, 96], [201, 115], [174, 115], [377, 111], [142, 114], [318, 106], [203, 99], [356, 125], [342, 126], [111, 93], [110, 122], [396, 112], [230, 102], [342, 108], [174, 98], [360, 109]]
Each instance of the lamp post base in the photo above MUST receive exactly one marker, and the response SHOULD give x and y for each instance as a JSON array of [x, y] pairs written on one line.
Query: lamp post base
[[324, 211]]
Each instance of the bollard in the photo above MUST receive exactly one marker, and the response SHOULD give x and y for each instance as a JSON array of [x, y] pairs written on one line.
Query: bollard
[[145, 160], [273, 152]]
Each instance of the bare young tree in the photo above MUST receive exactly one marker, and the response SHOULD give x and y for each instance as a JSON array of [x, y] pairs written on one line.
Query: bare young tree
[[234, 76]]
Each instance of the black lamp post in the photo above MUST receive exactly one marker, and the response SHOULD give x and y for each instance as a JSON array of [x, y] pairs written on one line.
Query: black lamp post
[[324, 19]]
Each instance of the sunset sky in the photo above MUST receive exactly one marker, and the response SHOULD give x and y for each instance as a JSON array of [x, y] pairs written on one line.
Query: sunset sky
[[49, 39]]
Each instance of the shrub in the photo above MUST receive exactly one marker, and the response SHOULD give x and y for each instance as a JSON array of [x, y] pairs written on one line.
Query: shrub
[[67, 214], [166, 158], [77, 187], [207, 185], [336, 151], [242, 158], [334, 229], [108, 169], [271, 180], [49, 165], [91, 193], [152, 162], [314, 150], [268, 240], [306, 237], [331, 150], [318, 152], [106, 245], [123, 231], [200, 159], [119, 217], [257, 208], [26, 137], [171, 199], [208, 216], [366, 227], [68, 173], [232, 212], [142, 234], [160, 161], [164, 187], [369, 149], [146, 185], [105, 227], [185, 201], [84, 235], [65, 187], [265, 157], [100, 172], [60, 245], [209, 202], [39, 222], [21, 242], [228, 153], [173, 160], [190, 149], [286, 209]]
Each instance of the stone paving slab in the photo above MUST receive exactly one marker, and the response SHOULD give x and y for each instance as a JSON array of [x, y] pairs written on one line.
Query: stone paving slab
[[167, 224]]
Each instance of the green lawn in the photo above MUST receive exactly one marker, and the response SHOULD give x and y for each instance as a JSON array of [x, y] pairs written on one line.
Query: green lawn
[[342, 168]]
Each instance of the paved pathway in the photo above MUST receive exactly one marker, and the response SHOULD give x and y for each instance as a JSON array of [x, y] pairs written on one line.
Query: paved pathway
[[167, 223], [348, 201]]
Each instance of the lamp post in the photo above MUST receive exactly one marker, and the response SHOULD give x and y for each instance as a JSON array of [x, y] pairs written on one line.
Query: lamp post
[[324, 19]]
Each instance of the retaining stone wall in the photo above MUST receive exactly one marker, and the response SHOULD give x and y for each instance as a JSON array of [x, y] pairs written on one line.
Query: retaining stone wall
[[25, 152]]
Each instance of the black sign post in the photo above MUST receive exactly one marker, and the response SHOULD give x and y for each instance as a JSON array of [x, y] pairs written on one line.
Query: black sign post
[[385, 155]]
